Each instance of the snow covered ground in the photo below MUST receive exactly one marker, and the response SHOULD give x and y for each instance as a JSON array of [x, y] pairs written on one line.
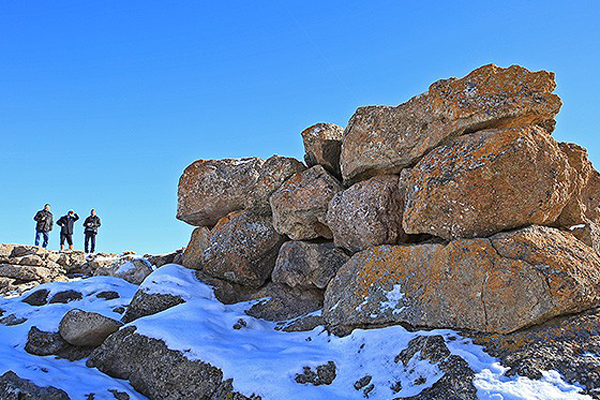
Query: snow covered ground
[[260, 359]]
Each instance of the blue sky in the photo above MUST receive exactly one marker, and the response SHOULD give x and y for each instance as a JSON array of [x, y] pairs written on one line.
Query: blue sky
[[104, 103]]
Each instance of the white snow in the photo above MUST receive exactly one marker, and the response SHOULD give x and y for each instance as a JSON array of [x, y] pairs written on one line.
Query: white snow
[[394, 300], [260, 359]]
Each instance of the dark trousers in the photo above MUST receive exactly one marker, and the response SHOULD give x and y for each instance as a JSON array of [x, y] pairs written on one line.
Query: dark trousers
[[90, 238], [44, 235], [67, 237]]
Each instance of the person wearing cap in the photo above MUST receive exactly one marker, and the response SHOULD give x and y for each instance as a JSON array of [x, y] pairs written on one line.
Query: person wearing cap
[[91, 225], [66, 223], [43, 226]]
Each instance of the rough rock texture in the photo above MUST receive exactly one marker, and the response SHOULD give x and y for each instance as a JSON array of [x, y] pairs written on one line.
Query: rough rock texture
[[88, 329], [368, 214], [133, 270], [487, 182], [323, 375], [243, 248], [281, 302], [568, 344], [14, 388], [42, 343], [500, 284], [193, 255], [144, 303], [300, 204], [588, 234], [163, 259], [308, 265], [65, 297], [457, 381], [323, 145], [384, 140], [211, 189], [157, 372], [37, 298], [25, 273]]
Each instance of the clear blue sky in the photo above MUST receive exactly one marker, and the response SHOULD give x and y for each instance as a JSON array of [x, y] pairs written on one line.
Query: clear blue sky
[[104, 103]]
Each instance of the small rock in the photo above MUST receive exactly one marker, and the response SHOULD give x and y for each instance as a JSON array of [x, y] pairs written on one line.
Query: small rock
[[12, 387], [108, 295], [12, 319], [362, 382], [144, 303], [324, 375], [89, 329], [322, 146], [65, 297], [37, 298]]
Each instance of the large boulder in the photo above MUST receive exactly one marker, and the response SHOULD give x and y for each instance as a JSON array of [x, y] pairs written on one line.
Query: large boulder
[[26, 273], [323, 145], [193, 255], [500, 284], [131, 269], [384, 140], [487, 182], [157, 372], [12, 387], [307, 264], [211, 189], [86, 329], [242, 248], [368, 214], [300, 205], [145, 303]]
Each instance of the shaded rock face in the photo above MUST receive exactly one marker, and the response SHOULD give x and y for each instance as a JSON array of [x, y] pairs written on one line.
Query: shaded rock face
[[281, 302], [308, 265], [368, 214], [383, 140], [567, 344], [211, 189], [12, 387], [457, 381], [323, 145], [588, 234], [144, 303], [65, 297], [157, 372], [193, 255], [37, 298], [88, 329], [243, 248], [500, 284], [42, 343], [300, 205], [487, 182]]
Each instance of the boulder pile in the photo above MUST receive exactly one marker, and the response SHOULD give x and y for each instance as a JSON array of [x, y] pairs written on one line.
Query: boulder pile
[[457, 209]]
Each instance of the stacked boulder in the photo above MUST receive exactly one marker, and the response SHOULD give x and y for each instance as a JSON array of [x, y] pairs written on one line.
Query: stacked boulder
[[455, 209]]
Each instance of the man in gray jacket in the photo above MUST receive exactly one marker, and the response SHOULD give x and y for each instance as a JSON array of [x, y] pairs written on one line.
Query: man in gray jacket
[[44, 225]]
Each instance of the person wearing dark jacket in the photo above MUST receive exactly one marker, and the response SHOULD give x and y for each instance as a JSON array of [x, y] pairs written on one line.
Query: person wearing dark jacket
[[91, 225], [66, 223], [43, 226]]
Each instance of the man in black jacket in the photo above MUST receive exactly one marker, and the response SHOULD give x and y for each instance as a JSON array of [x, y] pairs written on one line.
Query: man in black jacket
[[43, 226], [66, 223], [91, 225]]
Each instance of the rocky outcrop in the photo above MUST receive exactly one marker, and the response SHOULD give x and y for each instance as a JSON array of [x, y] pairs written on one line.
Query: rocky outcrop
[[155, 371], [243, 248], [368, 214], [308, 265], [145, 303], [12, 387], [384, 140], [193, 255], [323, 145], [86, 329], [211, 189], [500, 284], [300, 205], [487, 182]]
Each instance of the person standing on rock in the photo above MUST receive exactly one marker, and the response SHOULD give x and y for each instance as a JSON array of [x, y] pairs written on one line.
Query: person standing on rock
[[44, 225], [91, 225], [66, 223]]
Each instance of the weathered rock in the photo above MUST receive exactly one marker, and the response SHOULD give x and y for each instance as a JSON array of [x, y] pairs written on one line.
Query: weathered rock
[[83, 328], [144, 303], [499, 284], [457, 381], [323, 375], [193, 255], [243, 248], [20, 250], [383, 140], [301, 324], [588, 234], [368, 214], [32, 260], [14, 388], [65, 297], [108, 295], [26, 273], [37, 298], [163, 259], [300, 205], [487, 182], [12, 320], [155, 371], [133, 270], [281, 303], [308, 265], [323, 145], [41, 343], [211, 189]]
